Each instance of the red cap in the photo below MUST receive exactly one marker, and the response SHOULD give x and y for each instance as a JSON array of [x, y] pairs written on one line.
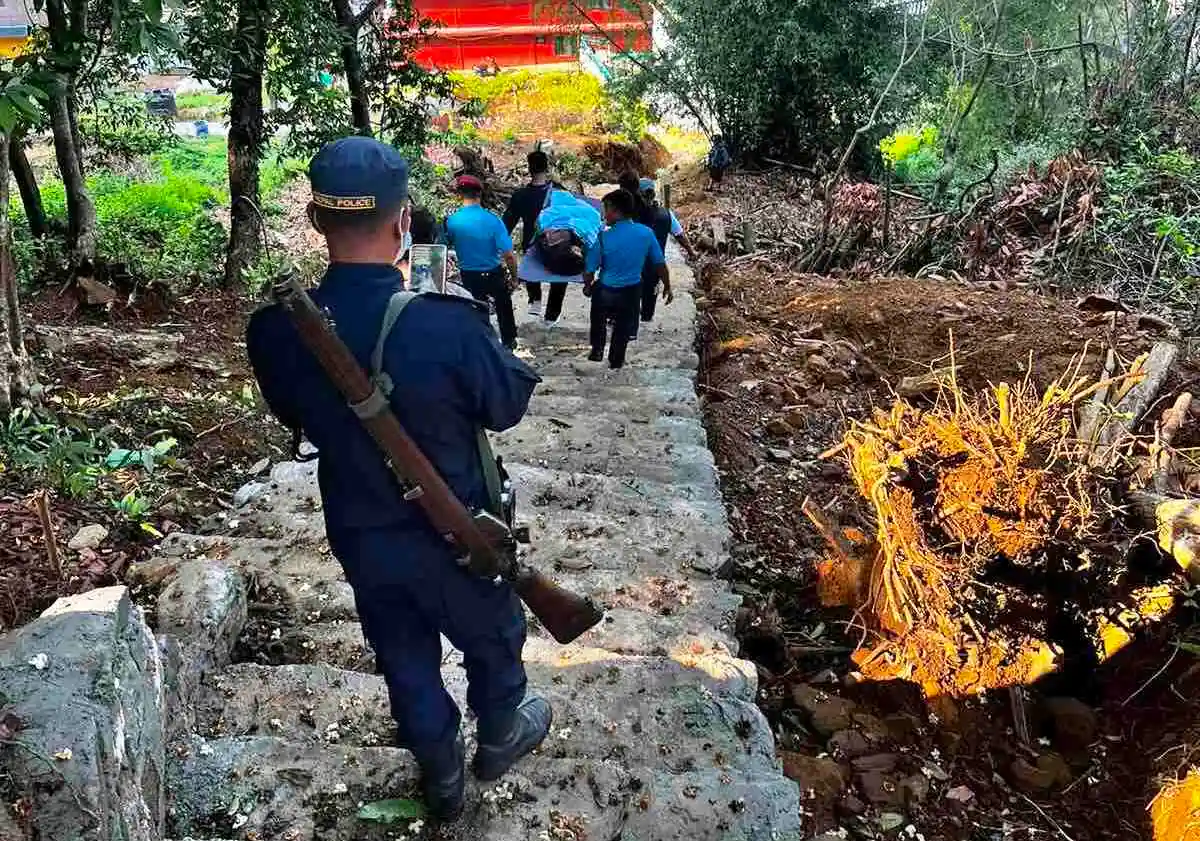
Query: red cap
[[469, 182]]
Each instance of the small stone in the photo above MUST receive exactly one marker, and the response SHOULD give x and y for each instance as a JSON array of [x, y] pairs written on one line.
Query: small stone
[[882, 762], [848, 744], [1050, 772], [88, 537], [819, 364], [39, 661], [916, 789], [960, 794], [1101, 303], [780, 427], [853, 805], [1073, 723], [891, 820], [259, 466], [779, 455], [818, 399], [872, 727], [249, 492], [827, 713], [821, 776], [881, 789], [835, 378]]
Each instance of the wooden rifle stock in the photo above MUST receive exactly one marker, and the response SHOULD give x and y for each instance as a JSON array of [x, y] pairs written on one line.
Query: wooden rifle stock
[[564, 614]]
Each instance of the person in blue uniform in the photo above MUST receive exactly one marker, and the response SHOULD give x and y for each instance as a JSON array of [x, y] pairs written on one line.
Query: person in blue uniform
[[483, 246], [450, 377], [613, 277]]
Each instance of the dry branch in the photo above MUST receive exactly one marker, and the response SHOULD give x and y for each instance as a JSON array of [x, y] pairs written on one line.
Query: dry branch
[[1133, 401]]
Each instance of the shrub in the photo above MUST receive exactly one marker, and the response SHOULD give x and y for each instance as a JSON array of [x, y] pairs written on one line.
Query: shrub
[[783, 77], [914, 155], [201, 105], [118, 126]]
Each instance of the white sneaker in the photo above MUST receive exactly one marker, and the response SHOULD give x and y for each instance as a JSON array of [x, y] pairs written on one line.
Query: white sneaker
[[535, 309]]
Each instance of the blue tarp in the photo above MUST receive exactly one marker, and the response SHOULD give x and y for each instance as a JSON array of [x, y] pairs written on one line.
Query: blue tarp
[[565, 210]]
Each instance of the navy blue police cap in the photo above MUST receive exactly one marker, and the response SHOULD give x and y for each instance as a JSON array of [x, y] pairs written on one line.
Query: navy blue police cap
[[358, 174]]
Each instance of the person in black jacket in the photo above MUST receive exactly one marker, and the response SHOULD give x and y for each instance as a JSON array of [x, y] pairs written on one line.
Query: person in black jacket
[[524, 206]]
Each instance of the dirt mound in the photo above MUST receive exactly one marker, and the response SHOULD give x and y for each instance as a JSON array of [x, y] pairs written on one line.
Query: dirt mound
[[616, 156]]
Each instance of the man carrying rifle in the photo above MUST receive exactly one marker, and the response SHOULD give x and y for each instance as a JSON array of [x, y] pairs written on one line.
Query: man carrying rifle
[[449, 376]]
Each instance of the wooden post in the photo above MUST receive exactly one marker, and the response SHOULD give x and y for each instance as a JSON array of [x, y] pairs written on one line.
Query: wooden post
[[749, 238]]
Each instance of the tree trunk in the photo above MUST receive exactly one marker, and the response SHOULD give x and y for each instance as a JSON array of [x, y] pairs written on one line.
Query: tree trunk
[[360, 105], [16, 368], [245, 137], [31, 195], [81, 213]]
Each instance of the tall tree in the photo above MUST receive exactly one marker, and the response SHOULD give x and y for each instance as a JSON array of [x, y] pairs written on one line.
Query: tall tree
[[16, 367], [351, 25], [246, 135], [31, 194], [67, 30]]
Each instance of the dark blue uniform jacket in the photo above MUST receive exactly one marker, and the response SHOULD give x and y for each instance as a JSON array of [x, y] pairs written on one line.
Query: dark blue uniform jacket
[[451, 375]]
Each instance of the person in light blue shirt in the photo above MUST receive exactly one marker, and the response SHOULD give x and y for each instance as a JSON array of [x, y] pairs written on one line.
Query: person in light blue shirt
[[482, 244], [613, 276]]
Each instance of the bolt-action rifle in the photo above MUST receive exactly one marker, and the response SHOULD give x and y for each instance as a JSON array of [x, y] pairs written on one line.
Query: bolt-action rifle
[[488, 544]]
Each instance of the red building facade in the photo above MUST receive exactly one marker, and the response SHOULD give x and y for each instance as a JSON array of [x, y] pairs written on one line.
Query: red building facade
[[521, 33]]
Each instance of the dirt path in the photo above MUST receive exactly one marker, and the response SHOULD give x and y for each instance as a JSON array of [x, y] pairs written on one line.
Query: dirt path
[[657, 734]]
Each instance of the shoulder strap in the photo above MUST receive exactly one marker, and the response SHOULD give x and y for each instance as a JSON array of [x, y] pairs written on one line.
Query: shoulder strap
[[395, 306], [488, 462], [549, 193]]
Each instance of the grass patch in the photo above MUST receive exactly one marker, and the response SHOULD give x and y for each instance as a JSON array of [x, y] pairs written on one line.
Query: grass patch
[[201, 105], [161, 229], [520, 103]]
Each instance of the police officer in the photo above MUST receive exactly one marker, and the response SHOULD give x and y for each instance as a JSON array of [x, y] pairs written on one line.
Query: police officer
[[450, 377]]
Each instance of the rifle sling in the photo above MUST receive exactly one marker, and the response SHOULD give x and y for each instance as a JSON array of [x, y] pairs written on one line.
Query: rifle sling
[[380, 397]]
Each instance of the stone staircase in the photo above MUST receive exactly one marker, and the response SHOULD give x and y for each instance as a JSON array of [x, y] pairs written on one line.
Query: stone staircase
[[282, 729]]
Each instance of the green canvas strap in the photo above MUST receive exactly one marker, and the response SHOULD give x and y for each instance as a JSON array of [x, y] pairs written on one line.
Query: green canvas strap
[[395, 306], [383, 384]]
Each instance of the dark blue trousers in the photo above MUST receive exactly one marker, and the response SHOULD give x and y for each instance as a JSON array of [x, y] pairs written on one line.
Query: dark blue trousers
[[409, 590]]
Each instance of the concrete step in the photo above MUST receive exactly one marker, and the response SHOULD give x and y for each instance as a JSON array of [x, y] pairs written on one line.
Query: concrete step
[[265, 787], [297, 583], [647, 712], [597, 430], [658, 626]]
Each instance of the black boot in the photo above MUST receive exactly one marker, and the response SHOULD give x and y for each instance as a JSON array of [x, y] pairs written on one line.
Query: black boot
[[444, 780], [529, 727]]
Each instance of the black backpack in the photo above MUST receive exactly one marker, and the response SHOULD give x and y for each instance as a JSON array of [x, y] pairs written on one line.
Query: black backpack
[[561, 251]]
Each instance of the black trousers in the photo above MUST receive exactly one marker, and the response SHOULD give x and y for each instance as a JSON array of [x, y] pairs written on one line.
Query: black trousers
[[620, 305], [558, 293], [649, 297], [492, 285]]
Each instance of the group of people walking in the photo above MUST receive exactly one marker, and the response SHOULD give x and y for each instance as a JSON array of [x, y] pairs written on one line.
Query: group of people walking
[[624, 271]]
